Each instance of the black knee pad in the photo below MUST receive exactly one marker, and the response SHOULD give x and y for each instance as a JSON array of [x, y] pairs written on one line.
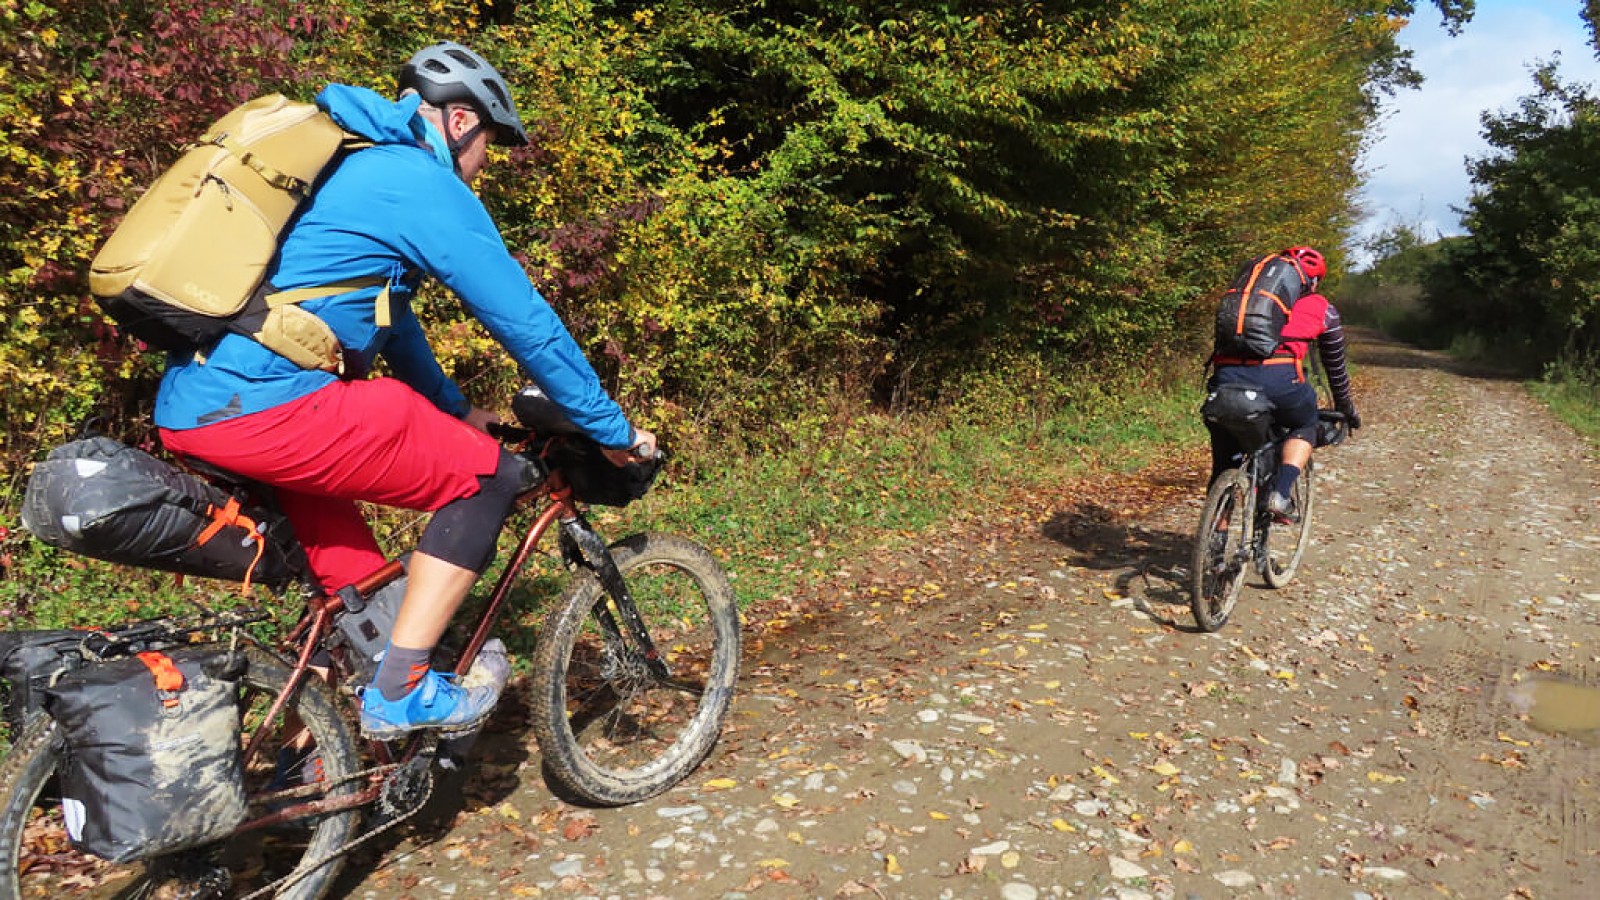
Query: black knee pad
[[463, 531]]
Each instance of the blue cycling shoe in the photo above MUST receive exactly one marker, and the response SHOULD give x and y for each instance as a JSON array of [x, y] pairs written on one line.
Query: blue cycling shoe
[[438, 702]]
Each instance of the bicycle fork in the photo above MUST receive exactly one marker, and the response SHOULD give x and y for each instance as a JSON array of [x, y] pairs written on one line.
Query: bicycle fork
[[581, 546]]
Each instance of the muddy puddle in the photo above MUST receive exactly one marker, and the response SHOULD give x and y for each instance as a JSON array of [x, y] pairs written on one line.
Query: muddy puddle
[[1560, 707]]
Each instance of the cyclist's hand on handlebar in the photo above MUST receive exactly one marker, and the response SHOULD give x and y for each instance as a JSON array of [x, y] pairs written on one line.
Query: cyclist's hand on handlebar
[[480, 419], [643, 448], [1351, 417]]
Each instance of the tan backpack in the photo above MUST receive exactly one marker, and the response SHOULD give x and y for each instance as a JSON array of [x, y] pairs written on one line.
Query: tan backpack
[[187, 264]]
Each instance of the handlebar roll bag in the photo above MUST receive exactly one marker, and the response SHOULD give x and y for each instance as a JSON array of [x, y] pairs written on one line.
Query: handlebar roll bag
[[593, 477]]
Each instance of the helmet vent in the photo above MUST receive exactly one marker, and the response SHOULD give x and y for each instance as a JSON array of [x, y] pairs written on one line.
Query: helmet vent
[[465, 59]]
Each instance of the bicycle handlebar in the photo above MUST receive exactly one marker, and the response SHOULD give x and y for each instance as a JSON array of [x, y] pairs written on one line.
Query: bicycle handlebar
[[541, 417], [1332, 427], [515, 434]]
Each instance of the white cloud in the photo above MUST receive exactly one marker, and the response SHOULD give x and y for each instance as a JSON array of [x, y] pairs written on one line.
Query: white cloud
[[1417, 164]]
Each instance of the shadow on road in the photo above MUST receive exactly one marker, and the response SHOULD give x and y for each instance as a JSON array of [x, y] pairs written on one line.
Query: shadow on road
[[1152, 564], [488, 777]]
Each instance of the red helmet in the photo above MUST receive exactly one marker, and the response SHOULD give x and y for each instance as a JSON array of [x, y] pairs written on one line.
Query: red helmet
[[1312, 265]]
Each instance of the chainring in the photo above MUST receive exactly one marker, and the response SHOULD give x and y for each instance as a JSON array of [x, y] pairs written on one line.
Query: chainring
[[407, 788]]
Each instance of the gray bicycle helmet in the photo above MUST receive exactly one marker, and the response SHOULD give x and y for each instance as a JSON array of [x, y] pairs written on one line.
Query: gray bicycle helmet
[[450, 73]]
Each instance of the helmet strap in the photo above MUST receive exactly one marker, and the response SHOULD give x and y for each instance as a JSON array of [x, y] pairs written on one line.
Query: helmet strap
[[457, 144]]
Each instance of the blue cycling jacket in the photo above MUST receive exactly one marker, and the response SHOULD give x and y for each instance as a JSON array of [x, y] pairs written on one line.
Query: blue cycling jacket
[[386, 210]]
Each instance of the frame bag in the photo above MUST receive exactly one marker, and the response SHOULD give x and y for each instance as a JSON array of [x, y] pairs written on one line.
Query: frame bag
[[152, 762]]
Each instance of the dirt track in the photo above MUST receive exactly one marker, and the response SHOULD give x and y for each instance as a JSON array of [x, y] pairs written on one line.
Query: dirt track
[[1021, 708]]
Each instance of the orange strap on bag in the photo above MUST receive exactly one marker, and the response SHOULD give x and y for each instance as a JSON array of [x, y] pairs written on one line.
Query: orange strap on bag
[[229, 515], [169, 680], [1299, 368]]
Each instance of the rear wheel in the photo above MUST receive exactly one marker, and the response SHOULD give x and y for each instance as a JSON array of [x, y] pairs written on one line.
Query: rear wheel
[[37, 860], [613, 728], [1220, 550], [1286, 544]]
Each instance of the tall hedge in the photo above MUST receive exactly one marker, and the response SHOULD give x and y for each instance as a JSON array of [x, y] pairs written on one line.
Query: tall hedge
[[737, 204]]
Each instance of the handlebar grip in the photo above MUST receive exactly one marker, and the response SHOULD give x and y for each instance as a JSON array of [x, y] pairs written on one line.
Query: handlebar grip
[[645, 451], [500, 431]]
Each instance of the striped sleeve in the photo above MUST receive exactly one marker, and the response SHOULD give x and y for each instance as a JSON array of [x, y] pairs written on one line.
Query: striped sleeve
[[1330, 346]]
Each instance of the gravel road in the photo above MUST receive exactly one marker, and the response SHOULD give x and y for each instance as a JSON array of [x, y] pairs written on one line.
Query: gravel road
[[1020, 707]]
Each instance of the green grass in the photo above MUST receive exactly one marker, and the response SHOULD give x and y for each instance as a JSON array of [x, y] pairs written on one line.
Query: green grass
[[774, 519], [777, 520], [1574, 401]]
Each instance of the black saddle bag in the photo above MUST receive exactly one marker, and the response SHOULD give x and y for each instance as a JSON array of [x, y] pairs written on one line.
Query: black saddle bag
[[1241, 411], [103, 499]]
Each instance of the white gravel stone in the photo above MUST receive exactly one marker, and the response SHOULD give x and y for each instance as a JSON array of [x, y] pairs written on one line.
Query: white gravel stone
[[1089, 807], [679, 812], [1016, 890], [910, 750], [1123, 870], [1235, 878], [1288, 772], [566, 868]]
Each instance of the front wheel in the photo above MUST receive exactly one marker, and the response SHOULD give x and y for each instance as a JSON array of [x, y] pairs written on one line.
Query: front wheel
[[615, 727], [37, 860], [1286, 544], [1221, 550]]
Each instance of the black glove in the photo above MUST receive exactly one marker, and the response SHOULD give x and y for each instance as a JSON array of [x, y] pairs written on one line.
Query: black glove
[[1351, 417]]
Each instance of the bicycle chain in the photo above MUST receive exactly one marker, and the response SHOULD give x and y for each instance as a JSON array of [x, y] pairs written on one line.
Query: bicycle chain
[[304, 871]]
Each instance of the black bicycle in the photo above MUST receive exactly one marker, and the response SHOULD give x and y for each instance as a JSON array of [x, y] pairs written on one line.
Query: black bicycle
[[1236, 530], [632, 678]]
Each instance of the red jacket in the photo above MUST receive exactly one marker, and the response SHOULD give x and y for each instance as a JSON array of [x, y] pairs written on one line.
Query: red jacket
[[1309, 318]]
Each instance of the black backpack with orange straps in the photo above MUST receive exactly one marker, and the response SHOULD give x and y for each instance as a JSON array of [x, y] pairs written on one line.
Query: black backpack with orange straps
[[1256, 306]]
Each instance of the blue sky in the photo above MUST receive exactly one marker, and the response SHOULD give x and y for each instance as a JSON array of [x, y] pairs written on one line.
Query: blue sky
[[1417, 164]]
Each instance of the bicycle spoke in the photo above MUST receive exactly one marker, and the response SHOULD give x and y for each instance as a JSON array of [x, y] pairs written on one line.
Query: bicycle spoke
[[633, 709]]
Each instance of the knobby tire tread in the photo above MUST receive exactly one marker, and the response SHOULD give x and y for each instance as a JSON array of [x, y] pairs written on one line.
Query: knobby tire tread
[[1210, 615], [565, 762]]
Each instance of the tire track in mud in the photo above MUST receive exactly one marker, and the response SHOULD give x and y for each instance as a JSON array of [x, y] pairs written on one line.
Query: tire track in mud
[[1017, 706]]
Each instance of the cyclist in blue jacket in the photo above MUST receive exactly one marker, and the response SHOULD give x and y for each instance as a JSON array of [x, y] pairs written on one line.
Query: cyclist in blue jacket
[[386, 217]]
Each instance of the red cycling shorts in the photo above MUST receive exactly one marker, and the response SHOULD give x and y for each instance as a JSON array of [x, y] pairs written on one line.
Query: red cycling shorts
[[376, 441]]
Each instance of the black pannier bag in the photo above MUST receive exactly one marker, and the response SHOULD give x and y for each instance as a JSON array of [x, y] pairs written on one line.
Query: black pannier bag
[[152, 762], [1242, 411], [593, 478], [31, 661], [1255, 308], [103, 499]]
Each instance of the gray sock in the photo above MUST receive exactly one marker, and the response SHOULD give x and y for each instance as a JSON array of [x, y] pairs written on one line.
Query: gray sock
[[401, 670]]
